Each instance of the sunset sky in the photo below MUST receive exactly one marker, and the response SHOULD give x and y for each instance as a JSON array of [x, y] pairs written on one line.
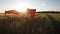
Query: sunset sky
[[40, 5]]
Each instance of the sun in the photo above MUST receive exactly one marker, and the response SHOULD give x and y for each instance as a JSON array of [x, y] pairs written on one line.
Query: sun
[[21, 7]]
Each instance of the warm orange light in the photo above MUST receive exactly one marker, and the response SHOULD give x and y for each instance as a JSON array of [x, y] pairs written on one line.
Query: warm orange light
[[21, 7]]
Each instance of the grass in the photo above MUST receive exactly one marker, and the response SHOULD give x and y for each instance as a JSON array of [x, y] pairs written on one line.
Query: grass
[[16, 24]]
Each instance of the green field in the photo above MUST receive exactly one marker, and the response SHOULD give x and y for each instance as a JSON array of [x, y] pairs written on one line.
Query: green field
[[43, 23]]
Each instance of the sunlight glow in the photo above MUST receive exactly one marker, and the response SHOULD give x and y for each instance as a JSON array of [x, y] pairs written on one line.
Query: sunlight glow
[[21, 7]]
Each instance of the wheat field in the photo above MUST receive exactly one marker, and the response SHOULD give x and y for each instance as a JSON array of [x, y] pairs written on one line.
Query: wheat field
[[43, 23]]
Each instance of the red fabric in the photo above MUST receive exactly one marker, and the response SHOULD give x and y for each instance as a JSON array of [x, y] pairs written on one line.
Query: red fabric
[[11, 12], [32, 12]]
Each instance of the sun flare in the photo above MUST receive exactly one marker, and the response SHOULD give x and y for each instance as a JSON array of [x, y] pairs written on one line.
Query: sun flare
[[21, 7]]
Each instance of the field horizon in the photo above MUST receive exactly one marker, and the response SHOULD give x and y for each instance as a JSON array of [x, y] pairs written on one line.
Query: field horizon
[[43, 23]]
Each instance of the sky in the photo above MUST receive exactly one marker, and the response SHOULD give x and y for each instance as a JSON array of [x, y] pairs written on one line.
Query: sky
[[40, 5]]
